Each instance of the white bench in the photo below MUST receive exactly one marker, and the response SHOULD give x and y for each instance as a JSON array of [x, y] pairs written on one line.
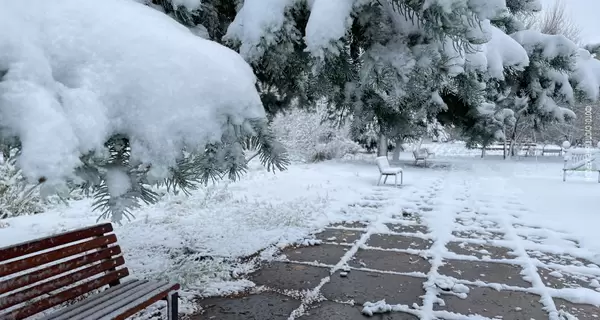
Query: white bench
[[582, 160], [386, 170], [422, 155]]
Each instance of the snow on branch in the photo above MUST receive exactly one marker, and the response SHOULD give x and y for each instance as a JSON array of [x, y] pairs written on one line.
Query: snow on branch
[[495, 56], [258, 21], [77, 73]]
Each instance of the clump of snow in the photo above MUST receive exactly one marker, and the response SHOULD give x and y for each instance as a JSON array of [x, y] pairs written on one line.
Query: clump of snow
[[488, 9], [257, 21], [371, 308], [550, 46], [190, 5], [118, 181], [587, 74], [499, 53], [328, 22], [81, 71]]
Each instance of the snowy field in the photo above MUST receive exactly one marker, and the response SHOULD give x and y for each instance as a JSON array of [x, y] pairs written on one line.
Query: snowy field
[[205, 240]]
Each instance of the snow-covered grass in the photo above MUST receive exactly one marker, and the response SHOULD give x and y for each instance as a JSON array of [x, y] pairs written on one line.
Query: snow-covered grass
[[200, 240]]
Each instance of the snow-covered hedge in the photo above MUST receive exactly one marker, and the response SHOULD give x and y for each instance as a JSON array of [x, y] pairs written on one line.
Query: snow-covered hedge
[[17, 197], [309, 138]]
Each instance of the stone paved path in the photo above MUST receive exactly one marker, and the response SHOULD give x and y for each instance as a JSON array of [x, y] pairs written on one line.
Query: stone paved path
[[456, 252]]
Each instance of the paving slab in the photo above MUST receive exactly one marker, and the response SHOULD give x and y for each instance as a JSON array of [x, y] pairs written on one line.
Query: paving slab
[[328, 310], [323, 253], [581, 311], [557, 279], [361, 286], [562, 259], [505, 305], [389, 261], [480, 250], [350, 225], [476, 222], [406, 228], [478, 234], [289, 276], [386, 241], [262, 306], [489, 272], [339, 235]]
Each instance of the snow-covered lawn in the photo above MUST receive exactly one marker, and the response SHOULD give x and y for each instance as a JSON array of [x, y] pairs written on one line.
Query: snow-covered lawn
[[198, 240]]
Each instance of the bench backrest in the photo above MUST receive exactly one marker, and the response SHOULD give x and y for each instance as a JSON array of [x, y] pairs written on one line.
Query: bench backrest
[[382, 163], [419, 153], [43, 273], [583, 159]]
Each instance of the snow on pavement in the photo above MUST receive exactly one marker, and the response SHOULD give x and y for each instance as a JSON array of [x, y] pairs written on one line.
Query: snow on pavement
[[548, 226], [199, 240], [477, 242]]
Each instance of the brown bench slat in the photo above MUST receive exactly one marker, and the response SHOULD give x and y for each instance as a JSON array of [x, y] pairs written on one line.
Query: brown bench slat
[[29, 247], [91, 302], [58, 283], [142, 303], [122, 300], [63, 296], [44, 258], [54, 270]]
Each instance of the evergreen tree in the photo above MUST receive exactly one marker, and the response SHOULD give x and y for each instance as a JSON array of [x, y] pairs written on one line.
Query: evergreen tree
[[117, 116], [384, 60], [399, 63]]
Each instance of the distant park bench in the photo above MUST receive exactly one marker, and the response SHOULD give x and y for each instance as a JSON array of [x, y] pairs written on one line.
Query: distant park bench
[[48, 272], [552, 150], [581, 160], [422, 155]]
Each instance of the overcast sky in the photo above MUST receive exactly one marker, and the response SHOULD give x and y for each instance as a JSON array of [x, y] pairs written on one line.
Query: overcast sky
[[586, 14]]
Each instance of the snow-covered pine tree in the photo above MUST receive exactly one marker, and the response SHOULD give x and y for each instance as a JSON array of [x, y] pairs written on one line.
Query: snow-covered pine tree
[[279, 60], [119, 97], [474, 97], [560, 76], [384, 60]]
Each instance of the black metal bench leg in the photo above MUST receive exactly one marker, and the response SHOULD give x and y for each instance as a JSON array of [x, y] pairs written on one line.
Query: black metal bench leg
[[173, 306]]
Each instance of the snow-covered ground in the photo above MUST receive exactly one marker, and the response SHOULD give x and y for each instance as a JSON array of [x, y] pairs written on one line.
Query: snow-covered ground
[[197, 240]]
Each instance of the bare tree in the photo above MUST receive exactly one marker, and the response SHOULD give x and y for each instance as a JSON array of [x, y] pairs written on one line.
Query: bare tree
[[555, 20]]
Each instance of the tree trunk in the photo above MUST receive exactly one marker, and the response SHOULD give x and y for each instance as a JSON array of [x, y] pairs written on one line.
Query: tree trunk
[[513, 139], [504, 143], [382, 146], [397, 149], [483, 151], [513, 136]]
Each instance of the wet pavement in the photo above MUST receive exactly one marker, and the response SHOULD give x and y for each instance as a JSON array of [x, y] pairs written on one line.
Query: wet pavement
[[484, 267], [391, 267]]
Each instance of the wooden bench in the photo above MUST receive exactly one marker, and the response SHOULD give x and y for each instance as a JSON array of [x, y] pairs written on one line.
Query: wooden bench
[[38, 275]]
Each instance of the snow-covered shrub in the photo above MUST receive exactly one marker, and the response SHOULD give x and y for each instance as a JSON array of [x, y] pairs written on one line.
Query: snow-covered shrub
[[17, 196], [20, 197], [308, 136]]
